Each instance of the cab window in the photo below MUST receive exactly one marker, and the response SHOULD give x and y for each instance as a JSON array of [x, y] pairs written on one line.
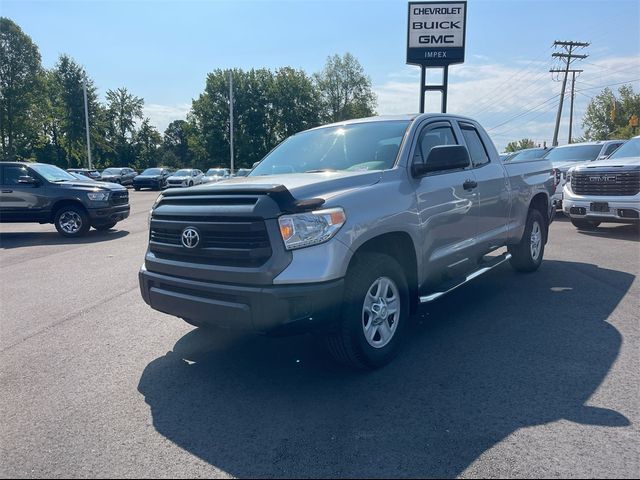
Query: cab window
[[12, 173], [477, 150], [433, 136]]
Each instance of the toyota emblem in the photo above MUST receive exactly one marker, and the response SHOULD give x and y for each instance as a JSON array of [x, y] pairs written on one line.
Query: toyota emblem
[[190, 237]]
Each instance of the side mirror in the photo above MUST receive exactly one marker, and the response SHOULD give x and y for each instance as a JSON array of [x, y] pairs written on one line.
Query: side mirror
[[28, 180], [443, 158]]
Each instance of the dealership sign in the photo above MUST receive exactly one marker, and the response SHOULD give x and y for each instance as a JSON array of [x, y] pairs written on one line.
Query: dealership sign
[[436, 33]]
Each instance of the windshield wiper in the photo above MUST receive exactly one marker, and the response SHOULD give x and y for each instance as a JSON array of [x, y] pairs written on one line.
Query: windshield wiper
[[321, 170]]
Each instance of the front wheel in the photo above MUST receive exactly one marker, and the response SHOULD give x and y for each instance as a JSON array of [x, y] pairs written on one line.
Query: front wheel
[[374, 313], [72, 221], [527, 255], [584, 224]]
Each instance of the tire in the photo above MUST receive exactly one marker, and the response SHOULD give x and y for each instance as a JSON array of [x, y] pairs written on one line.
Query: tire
[[368, 335], [71, 221], [584, 224], [137, 189], [191, 184], [106, 226], [527, 255]]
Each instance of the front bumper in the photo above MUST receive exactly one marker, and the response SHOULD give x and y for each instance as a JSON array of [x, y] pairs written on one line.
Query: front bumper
[[101, 216], [148, 183], [260, 309], [620, 211]]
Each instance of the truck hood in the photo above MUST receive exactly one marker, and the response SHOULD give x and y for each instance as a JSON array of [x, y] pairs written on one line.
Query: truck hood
[[612, 162], [300, 185], [91, 185]]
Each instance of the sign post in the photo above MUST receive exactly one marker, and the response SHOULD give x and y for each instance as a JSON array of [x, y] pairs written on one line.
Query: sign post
[[436, 37]]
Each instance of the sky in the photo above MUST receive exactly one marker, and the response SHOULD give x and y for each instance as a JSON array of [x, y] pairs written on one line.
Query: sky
[[162, 51]]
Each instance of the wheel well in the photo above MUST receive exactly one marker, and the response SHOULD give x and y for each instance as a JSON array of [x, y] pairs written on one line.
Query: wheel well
[[399, 246], [63, 203], [540, 202]]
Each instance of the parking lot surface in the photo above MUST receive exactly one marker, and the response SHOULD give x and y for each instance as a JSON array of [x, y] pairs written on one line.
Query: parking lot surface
[[512, 375]]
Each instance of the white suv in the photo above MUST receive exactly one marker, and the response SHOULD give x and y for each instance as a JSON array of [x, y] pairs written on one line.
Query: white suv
[[605, 191]]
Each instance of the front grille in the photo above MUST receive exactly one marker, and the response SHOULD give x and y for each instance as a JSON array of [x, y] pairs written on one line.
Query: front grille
[[242, 242], [608, 183], [120, 198]]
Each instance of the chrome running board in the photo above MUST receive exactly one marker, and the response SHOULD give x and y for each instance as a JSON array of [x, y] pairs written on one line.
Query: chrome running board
[[492, 264]]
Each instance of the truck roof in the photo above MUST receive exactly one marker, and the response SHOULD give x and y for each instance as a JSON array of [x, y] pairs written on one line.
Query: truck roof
[[386, 118]]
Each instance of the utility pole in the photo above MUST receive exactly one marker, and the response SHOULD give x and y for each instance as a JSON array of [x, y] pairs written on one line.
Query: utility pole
[[86, 120], [231, 116], [568, 58], [573, 94]]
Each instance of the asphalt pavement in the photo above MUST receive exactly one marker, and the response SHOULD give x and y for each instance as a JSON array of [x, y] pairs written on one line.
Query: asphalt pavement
[[512, 375]]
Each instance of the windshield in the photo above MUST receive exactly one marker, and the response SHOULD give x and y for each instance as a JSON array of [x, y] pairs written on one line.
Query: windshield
[[355, 147], [215, 171], [111, 171], [574, 153], [152, 171], [528, 154], [52, 173], [629, 149], [182, 173]]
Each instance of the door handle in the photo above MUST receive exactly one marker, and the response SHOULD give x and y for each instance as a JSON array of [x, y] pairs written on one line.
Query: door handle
[[7, 191], [469, 184]]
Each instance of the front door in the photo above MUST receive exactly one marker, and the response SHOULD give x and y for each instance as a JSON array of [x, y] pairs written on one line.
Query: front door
[[447, 204], [19, 202]]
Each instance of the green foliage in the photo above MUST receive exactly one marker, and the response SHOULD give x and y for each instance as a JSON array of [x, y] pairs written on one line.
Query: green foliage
[[147, 142], [20, 91], [123, 110], [519, 145], [345, 89], [268, 107], [607, 115]]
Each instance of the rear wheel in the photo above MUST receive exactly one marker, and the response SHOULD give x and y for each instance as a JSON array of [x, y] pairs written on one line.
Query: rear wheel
[[527, 255], [72, 221], [581, 224], [137, 189], [374, 313]]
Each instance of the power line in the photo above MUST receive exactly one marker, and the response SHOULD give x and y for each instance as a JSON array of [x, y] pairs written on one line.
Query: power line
[[524, 113]]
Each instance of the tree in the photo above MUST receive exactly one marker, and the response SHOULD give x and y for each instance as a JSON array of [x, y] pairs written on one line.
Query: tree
[[147, 142], [20, 89], [65, 123], [296, 102], [520, 145], [345, 89], [607, 116], [176, 142], [123, 110]]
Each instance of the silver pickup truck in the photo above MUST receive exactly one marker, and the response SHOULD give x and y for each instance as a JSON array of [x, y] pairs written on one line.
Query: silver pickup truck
[[344, 230]]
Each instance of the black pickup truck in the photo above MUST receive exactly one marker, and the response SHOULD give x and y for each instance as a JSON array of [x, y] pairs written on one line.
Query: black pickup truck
[[41, 193]]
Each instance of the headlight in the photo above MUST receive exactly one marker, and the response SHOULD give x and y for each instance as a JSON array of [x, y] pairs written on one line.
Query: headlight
[[306, 229], [98, 196]]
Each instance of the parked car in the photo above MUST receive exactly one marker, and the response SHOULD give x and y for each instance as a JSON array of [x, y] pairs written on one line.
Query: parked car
[[186, 177], [216, 174], [153, 178], [607, 191], [564, 157], [41, 193], [121, 175], [91, 173], [527, 154], [81, 178], [377, 216], [242, 172]]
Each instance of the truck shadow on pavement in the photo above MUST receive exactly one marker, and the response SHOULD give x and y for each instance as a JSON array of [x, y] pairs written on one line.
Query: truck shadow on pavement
[[29, 239], [507, 351], [619, 232]]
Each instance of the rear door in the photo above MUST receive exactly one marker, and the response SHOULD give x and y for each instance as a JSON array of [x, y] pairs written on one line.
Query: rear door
[[447, 209], [493, 188]]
